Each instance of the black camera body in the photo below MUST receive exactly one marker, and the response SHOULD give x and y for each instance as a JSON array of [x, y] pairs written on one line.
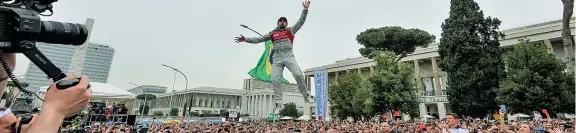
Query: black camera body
[[21, 27]]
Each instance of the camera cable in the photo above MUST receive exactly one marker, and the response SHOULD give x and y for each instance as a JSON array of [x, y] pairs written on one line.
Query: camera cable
[[13, 78]]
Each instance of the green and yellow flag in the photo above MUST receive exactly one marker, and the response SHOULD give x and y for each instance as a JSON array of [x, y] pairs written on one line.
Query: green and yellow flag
[[263, 69]]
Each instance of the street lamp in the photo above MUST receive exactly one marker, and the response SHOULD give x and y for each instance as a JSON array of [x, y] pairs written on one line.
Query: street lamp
[[145, 98], [174, 82], [250, 29], [175, 75]]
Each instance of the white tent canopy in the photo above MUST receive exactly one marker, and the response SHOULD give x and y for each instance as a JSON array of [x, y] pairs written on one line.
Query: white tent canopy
[[100, 91], [103, 91], [520, 115], [428, 116], [303, 118], [286, 118]]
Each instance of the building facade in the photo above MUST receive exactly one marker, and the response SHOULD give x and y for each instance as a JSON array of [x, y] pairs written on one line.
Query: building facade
[[431, 80], [149, 89], [259, 98], [256, 99], [97, 63], [204, 100]]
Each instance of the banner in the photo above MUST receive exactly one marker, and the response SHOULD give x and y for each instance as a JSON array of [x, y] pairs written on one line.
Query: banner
[[321, 83]]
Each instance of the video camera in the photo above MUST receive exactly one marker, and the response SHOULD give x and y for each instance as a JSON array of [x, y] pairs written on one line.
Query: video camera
[[21, 27]]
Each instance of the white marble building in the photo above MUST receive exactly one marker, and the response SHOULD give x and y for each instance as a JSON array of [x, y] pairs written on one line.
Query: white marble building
[[203, 99], [255, 99], [432, 80], [259, 98]]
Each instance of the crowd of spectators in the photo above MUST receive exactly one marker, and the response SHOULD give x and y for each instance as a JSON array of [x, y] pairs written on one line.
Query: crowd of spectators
[[452, 122]]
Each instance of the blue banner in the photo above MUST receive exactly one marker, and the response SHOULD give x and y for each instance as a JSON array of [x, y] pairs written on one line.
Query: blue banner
[[321, 83]]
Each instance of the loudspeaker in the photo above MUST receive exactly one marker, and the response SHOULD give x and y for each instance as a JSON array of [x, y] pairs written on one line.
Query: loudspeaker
[[131, 120]]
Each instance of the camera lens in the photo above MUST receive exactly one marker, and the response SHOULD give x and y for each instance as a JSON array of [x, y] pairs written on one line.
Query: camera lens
[[63, 33]]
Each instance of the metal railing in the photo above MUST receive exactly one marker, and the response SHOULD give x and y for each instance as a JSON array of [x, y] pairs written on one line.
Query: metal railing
[[433, 93]]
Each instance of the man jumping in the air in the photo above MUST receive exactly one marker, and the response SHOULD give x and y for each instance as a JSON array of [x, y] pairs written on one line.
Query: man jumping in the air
[[282, 55]]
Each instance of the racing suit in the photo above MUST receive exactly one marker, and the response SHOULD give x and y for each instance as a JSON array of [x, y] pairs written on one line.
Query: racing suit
[[283, 38]]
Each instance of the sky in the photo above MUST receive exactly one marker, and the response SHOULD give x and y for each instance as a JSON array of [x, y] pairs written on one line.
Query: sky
[[196, 36]]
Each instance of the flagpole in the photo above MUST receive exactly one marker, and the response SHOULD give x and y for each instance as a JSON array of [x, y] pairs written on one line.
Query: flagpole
[[250, 29], [273, 119]]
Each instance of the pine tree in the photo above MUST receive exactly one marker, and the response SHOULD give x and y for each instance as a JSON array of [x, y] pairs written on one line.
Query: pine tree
[[470, 54]]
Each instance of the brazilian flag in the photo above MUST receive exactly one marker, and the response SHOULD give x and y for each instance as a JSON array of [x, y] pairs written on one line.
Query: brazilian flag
[[263, 69]]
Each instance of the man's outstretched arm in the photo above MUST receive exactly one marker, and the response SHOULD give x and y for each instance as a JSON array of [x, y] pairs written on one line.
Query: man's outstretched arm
[[302, 19], [256, 40]]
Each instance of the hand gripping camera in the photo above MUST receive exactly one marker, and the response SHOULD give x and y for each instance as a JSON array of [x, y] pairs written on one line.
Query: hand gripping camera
[[20, 29]]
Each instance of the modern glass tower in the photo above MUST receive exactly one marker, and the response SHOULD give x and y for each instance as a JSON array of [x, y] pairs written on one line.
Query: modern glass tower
[[96, 65]]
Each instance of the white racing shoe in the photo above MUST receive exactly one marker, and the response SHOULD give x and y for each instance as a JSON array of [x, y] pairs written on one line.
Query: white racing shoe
[[309, 99], [279, 106]]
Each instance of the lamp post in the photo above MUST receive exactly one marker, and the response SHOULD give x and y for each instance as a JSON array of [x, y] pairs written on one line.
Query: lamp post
[[186, 78], [145, 98], [174, 82], [250, 29]]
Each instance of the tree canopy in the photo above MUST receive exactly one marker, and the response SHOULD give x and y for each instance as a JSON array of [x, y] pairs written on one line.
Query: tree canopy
[[393, 38], [146, 96], [536, 80], [158, 113], [174, 112], [289, 110], [470, 55], [350, 96], [393, 86], [224, 113], [144, 109]]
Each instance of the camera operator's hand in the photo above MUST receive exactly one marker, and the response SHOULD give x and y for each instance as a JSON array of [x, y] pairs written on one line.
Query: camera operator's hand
[[10, 123], [68, 102], [59, 104], [7, 123], [25, 127]]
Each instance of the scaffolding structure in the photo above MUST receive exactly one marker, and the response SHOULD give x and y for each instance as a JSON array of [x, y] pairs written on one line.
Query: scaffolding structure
[[98, 112]]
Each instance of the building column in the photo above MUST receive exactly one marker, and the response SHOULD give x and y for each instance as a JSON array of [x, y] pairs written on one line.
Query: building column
[[438, 87], [251, 105], [259, 104], [254, 105], [548, 45], [245, 105], [441, 110], [266, 102], [422, 109], [359, 70], [308, 83], [271, 104], [185, 99], [262, 104], [418, 78], [371, 69], [181, 100], [336, 75], [189, 100]]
